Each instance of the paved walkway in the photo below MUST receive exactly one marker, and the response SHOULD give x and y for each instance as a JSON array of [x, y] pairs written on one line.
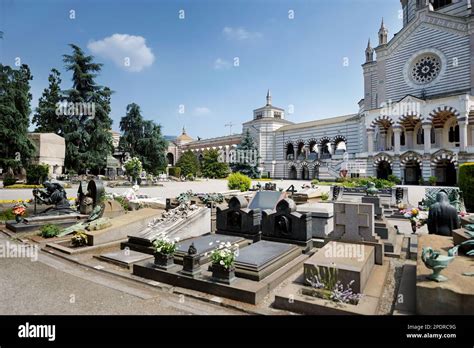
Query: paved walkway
[[53, 286]]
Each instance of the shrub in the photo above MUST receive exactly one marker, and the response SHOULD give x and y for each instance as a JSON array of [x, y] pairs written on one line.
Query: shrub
[[134, 168], [315, 182], [432, 180], [49, 231], [7, 215], [211, 167], [324, 196], [36, 174], [466, 184], [238, 181], [190, 177], [9, 181], [394, 179], [175, 171]]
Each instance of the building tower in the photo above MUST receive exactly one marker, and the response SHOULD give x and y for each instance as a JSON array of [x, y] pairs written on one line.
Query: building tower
[[369, 53], [383, 34]]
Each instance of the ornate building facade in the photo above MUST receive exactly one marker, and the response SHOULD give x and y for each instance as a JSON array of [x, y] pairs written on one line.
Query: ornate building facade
[[416, 119]]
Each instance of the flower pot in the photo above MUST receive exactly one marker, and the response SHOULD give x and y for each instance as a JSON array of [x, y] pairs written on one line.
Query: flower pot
[[164, 261], [18, 219], [221, 274]]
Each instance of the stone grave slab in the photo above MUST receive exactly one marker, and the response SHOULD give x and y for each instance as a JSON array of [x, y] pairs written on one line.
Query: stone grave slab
[[124, 258], [205, 245], [322, 218], [354, 223], [192, 223], [260, 259], [352, 261], [266, 200], [34, 223]]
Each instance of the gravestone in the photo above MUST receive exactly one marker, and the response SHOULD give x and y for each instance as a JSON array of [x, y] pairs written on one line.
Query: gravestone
[[354, 223], [322, 215], [286, 225], [261, 259], [238, 219]]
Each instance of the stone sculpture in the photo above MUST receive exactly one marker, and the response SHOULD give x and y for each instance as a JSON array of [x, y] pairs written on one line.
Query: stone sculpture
[[443, 217]]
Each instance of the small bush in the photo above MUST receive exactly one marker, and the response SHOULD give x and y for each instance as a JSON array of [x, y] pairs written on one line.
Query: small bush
[[394, 179], [238, 181], [49, 231], [8, 181], [315, 182], [7, 215], [433, 180], [190, 177], [466, 184], [36, 174], [174, 171], [324, 196]]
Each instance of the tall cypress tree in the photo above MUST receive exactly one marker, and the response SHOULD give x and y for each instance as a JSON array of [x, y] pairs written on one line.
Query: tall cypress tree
[[46, 118], [131, 126], [88, 137], [15, 99]]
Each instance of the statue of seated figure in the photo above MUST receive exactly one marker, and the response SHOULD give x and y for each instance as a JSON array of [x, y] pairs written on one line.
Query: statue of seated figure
[[53, 194], [443, 217]]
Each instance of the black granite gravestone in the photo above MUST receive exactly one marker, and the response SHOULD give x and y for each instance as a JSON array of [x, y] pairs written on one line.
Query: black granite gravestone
[[238, 219], [286, 225]]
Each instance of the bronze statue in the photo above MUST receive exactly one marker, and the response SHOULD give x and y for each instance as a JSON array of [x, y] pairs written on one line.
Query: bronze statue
[[443, 217], [53, 194]]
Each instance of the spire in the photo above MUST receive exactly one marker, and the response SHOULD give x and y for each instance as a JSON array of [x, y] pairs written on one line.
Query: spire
[[383, 34], [184, 130], [369, 53], [269, 98]]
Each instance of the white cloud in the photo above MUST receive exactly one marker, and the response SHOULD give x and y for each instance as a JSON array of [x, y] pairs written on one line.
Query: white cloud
[[128, 52], [240, 34], [221, 64], [202, 110]]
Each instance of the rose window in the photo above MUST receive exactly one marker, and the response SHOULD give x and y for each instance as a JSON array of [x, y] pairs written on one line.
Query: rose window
[[425, 69]]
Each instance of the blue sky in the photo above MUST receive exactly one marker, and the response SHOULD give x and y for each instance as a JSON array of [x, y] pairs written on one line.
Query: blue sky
[[190, 61]]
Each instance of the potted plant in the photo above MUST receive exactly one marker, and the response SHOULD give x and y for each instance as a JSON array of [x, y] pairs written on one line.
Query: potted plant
[[223, 263], [164, 252], [19, 211]]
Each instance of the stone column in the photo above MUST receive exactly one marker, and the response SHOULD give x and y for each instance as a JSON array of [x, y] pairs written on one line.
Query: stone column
[[427, 136], [462, 135], [370, 141], [397, 131]]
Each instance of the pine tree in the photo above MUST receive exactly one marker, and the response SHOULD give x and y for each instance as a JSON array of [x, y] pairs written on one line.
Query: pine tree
[[88, 138], [245, 149], [46, 118], [143, 139], [15, 98], [188, 163], [211, 167]]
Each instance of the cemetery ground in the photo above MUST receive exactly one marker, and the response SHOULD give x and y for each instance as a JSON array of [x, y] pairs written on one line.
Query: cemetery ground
[[84, 283]]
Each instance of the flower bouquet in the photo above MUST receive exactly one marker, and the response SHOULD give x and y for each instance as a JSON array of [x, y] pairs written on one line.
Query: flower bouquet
[[223, 262], [164, 252], [19, 211]]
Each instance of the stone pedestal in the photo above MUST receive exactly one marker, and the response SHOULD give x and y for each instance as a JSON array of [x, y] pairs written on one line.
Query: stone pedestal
[[452, 297], [353, 262], [191, 265], [322, 218]]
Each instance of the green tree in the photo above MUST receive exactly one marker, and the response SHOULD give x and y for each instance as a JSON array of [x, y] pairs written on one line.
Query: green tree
[[211, 167], [188, 163], [143, 139], [46, 118], [131, 126], [15, 98], [87, 135], [247, 152]]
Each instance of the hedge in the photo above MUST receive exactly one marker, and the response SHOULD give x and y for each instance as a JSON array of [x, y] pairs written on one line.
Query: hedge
[[175, 171], [466, 184]]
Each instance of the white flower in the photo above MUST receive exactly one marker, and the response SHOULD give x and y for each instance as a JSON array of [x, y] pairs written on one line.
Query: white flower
[[222, 253], [228, 245], [222, 262]]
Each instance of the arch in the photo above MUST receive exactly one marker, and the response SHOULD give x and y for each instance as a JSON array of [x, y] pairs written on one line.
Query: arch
[[411, 156], [442, 155], [442, 113], [324, 143], [300, 149], [290, 151], [304, 172], [444, 166], [382, 121], [410, 121], [293, 173], [384, 169], [170, 158], [340, 144], [381, 158], [324, 140]]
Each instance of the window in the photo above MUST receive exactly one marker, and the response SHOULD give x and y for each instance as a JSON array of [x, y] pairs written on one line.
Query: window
[[420, 136], [440, 3], [454, 134], [402, 139], [433, 135], [425, 69]]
